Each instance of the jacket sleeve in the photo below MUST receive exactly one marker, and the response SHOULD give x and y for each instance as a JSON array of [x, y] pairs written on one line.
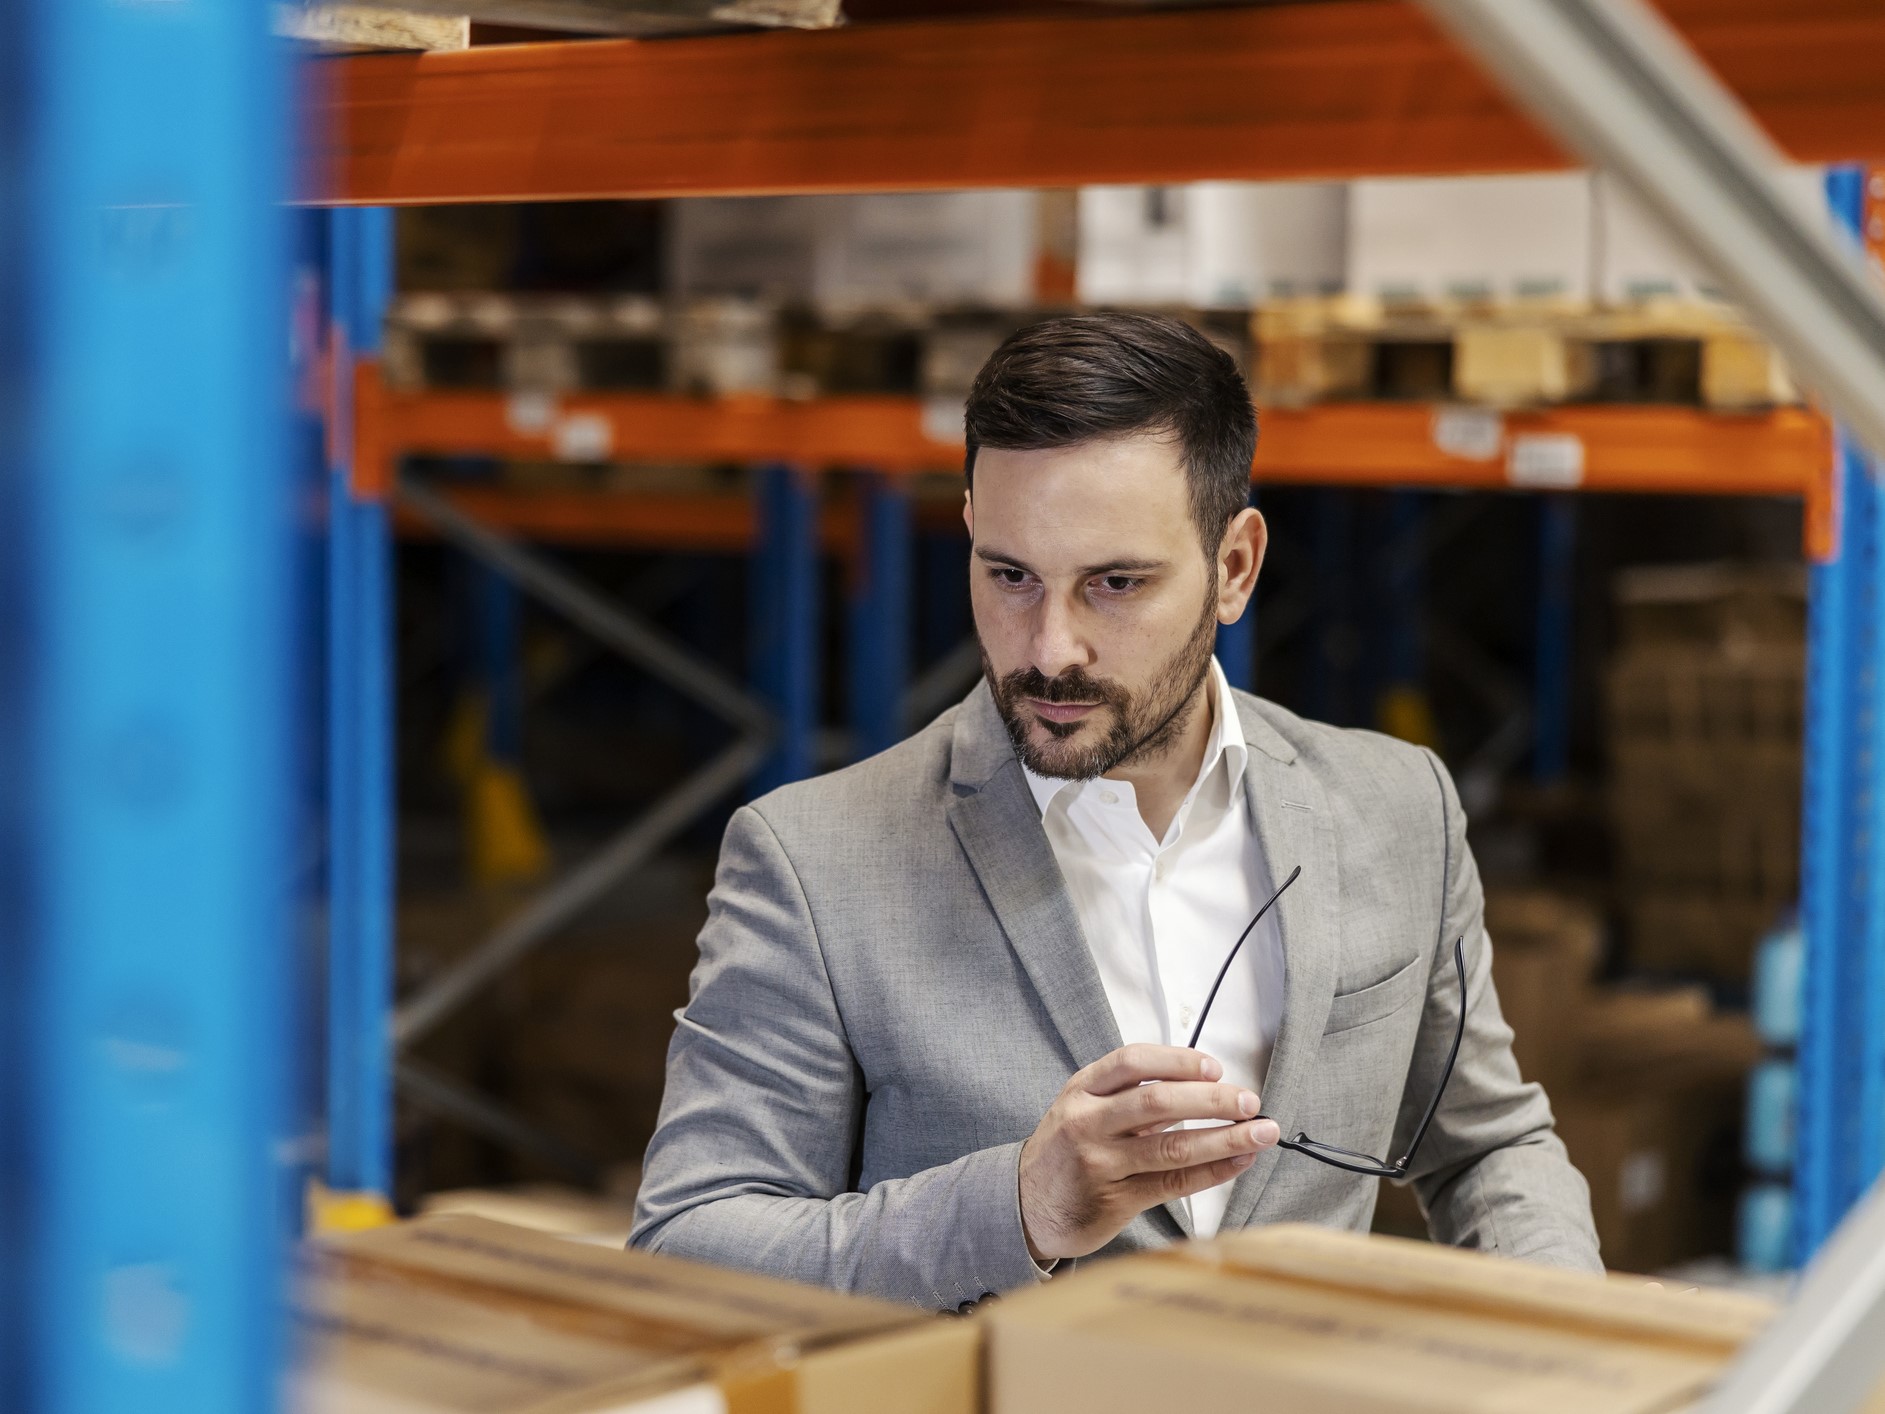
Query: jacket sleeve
[[1492, 1174], [754, 1160]]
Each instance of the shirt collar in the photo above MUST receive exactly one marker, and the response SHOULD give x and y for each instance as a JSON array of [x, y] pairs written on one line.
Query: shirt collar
[[1227, 744]]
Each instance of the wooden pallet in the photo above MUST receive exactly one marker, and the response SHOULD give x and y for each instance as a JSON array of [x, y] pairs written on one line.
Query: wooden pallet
[[1513, 355]]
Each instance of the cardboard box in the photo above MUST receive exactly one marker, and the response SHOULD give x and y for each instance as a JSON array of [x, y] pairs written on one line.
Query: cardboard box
[[462, 1314], [1654, 1124], [1211, 245], [962, 248], [1638, 261], [1545, 948], [1426, 240], [1316, 1321]]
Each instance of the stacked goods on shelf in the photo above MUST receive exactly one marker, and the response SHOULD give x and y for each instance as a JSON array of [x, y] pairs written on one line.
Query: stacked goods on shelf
[[460, 1315], [1703, 703], [1646, 1086], [1327, 1320], [1764, 1241], [1211, 245]]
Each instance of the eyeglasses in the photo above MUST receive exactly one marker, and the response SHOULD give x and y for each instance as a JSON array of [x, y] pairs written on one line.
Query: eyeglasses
[[1331, 1154]]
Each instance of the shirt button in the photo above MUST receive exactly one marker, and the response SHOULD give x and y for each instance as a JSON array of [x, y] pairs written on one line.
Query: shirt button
[[1109, 797]]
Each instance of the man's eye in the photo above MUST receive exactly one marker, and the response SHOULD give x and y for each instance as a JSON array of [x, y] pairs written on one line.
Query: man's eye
[[1012, 578], [1120, 583]]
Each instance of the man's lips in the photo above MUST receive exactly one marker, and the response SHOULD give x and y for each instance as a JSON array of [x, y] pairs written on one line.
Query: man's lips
[[1061, 711]]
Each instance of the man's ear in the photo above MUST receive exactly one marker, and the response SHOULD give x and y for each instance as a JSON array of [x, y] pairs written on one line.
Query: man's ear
[[968, 512], [1239, 561]]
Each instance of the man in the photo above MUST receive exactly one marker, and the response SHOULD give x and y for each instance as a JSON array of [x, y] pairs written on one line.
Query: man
[[937, 1038]]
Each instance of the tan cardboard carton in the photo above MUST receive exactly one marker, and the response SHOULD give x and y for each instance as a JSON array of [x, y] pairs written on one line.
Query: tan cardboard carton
[[1317, 1322], [415, 1316]]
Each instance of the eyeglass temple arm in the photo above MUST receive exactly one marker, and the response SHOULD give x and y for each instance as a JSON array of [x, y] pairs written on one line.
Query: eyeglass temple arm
[[1223, 971], [1459, 1034]]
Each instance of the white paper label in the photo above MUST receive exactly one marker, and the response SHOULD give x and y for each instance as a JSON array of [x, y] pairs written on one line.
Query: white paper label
[[695, 1399], [1476, 434], [1640, 1181], [1547, 461], [942, 419], [582, 437], [529, 413]]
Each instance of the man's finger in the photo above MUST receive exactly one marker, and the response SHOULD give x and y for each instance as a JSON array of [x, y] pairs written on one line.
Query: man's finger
[[1152, 1107], [1148, 1189], [1134, 1065], [1191, 1148]]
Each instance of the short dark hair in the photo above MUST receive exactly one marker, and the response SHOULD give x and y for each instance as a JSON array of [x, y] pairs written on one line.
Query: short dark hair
[[1082, 377]]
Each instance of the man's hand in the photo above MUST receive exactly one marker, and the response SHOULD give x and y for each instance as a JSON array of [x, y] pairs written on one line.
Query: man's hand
[[1106, 1150]]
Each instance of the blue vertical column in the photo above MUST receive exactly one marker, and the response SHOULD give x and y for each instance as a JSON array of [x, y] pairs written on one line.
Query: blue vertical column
[[1551, 661], [160, 695], [1841, 1093], [877, 663], [360, 735], [1332, 636], [1237, 644], [785, 620]]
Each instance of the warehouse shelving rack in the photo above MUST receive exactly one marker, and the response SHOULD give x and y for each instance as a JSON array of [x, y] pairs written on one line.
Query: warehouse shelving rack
[[900, 107]]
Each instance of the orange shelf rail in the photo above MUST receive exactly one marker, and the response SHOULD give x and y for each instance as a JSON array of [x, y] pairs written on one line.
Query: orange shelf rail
[[1671, 450], [1330, 90]]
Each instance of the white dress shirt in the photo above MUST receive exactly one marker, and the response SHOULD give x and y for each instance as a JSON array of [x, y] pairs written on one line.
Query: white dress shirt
[[1161, 915]]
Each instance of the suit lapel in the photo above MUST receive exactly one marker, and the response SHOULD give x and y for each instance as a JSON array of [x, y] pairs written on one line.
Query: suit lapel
[[999, 826], [1293, 827]]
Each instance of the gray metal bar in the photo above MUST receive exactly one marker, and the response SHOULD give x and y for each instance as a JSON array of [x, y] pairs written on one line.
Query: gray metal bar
[[942, 683], [637, 641], [444, 1095], [576, 891], [1825, 1353], [1615, 83]]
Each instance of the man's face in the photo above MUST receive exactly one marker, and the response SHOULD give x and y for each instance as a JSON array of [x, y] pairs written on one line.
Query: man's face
[[1094, 601]]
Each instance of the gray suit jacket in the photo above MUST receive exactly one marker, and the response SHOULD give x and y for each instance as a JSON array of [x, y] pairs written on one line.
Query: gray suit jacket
[[893, 987]]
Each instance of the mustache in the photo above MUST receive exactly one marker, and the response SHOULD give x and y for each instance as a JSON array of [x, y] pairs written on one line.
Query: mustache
[[1070, 686]]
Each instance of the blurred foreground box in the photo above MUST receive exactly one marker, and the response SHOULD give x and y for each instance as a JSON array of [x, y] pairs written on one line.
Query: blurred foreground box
[[460, 1315], [1301, 1318]]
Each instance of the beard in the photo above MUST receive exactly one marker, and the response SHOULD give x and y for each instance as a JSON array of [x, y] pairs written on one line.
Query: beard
[[1139, 726]]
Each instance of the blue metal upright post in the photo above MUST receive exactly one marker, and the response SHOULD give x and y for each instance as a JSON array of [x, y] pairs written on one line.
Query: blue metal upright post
[[1551, 663], [360, 741], [1841, 1093], [877, 661], [160, 699], [785, 620]]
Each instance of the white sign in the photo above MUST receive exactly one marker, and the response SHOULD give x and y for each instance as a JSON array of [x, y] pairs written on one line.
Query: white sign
[[1546, 461]]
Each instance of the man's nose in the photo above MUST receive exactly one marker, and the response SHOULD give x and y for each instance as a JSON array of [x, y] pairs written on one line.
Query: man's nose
[[1058, 644]]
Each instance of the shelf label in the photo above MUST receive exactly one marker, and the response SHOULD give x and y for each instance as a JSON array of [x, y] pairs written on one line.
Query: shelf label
[[582, 437], [1546, 461], [529, 414], [942, 419], [1476, 434]]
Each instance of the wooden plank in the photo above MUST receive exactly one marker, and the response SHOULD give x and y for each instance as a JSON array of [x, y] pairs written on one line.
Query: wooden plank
[[1331, 90], [342, 28]]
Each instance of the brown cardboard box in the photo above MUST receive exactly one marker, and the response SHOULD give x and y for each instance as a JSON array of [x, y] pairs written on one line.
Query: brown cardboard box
[[414, 1318], [1545, 947], [1654, 1124], [1317, 1322]]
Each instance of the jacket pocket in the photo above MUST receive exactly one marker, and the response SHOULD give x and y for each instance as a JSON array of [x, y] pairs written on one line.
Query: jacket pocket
[[1351, 1009]]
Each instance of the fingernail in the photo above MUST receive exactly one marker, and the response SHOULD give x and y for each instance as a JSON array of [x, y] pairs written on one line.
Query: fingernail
[[1244, 1161], [1211, 1069], [1246, 1103], [1266, 1131]]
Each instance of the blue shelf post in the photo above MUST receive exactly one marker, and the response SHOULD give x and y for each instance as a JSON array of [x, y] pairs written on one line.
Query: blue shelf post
[[1842, 1042], [1237, 644], [1551, 664], [786, 620], [360, 735], [159, 692], [877, 667]]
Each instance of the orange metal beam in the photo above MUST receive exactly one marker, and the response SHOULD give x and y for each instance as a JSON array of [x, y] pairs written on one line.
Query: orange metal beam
[[1337, 89], [1652, 449], [719, 523]]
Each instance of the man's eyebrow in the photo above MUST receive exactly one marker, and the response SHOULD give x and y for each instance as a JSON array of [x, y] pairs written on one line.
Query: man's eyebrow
[[1125, 565]]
